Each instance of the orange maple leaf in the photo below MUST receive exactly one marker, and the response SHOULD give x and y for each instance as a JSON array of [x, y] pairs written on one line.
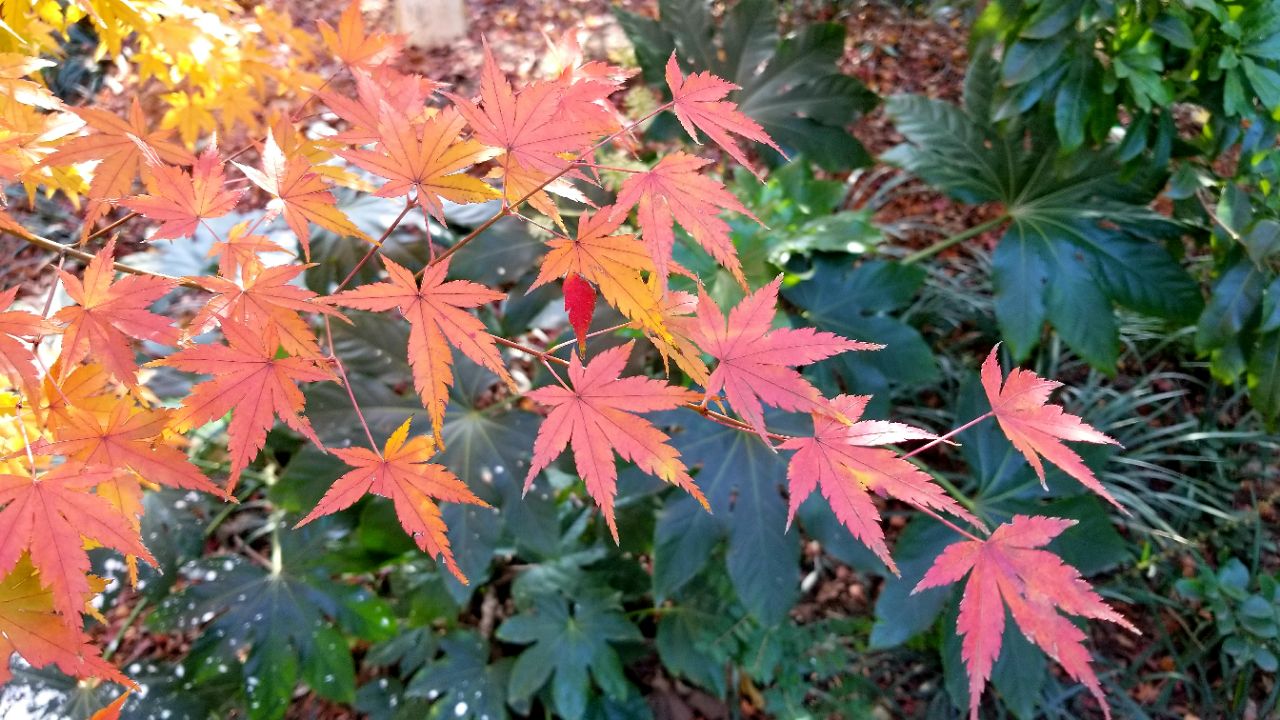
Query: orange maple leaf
[[126, 439], [532, 128], [17, 329], [181, 200], [673, 191], [264, 301], [120, 146], [612, 262], [30, 627], [843, 460], [49, 516], [401, 472], [757, 361], [378, 90], [301, 194], [1036, 428], [436, 311], [1009, 569], [249, 382], [598, 417], [426, 158], [110, 312], [350, 43], [698, 101], [240, 250], [676, 308]]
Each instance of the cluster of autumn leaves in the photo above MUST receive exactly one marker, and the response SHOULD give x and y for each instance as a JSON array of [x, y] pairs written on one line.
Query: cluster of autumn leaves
[[83, 437]]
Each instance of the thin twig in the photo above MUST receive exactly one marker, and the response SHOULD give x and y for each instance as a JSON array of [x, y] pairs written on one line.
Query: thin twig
[[346, 383], [377, 245]]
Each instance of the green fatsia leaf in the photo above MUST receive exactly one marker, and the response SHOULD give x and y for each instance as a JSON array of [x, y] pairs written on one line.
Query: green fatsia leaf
[[462, 682], [278, 627], [1078, 240], [857, 302], [571, 643], [792, 87], [742, 480]]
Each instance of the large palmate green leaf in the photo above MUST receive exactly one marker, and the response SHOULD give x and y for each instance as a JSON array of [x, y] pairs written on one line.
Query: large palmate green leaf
[[570, 644], [1078, 241], [792, 86], [279, 625]]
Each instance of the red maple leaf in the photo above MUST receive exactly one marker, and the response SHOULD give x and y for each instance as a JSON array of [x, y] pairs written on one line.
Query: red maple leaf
[[598, 417], [181, 200], [438, 317], [673, 191], [378, 91], [1009, 569], [49, 516], [1036, 428], [30, 627], [17, 329], [401, 472], [264, 301], [110, 312], [757, 361], [844, 461], [250, 382], [698, 101], [580, 304]]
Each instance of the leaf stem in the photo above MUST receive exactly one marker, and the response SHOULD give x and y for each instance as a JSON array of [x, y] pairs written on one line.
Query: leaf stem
[[590, 335], [134, 614], [377, 245], [947, 436], [346, 384], [959, 237]]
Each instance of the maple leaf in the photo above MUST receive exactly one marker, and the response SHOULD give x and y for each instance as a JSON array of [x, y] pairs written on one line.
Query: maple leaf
[[844, 461], [698, 102], [120, 146], [249, 382], [756, 362], [436, 311], [676, 308], [533, 128], [597, 416], [14, 67], [264, 301], [426, 158], [29, 627], [301, 194], [350, 43], [1036, 428], [110, 312], [580, 304], [181, 200], [17, 329], [401, 472], [612, 262], [674, 191], [126, 438], [240, 250], [1036, 586], [112, 711], [49, 516], [377, 91]]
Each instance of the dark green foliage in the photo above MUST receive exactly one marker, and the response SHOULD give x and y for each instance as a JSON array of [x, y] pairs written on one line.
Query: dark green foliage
[[790, 86]]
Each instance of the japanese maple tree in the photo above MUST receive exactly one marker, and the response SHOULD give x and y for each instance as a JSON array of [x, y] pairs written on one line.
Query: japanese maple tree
[[82, 436]]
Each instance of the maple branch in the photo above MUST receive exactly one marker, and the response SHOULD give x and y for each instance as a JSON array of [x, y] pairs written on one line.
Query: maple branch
[[948, 435], [377, 245], [346, 384], [108, 228], [938, 516], [508, 208], [56, 247]]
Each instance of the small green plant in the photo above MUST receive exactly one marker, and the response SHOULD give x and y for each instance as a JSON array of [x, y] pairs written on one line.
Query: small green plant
[[1245, 612]]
